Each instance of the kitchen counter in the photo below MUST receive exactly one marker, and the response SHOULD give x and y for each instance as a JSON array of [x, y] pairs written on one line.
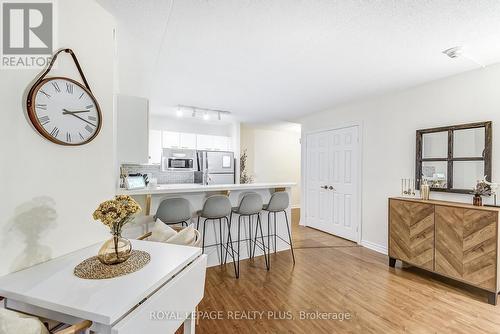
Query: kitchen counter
[[196, 194], [196, 188]]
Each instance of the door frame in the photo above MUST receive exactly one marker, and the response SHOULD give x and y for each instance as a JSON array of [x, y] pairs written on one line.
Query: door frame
[[304, 135]]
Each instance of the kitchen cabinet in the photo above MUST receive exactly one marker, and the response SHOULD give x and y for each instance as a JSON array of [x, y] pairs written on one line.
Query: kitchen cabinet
[[222, 143], [170, 139], [213, 143], [132, 141], [187, 140], [179, 140], [155, 146], [204, 142]]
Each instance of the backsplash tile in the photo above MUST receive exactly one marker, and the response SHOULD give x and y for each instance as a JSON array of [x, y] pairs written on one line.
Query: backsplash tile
[[162, 177]]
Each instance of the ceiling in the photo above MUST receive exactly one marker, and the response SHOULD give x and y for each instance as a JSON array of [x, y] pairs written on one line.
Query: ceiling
[[267, 60]]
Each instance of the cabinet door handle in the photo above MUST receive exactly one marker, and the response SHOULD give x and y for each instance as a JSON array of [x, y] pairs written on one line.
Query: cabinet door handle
[[324, 187]]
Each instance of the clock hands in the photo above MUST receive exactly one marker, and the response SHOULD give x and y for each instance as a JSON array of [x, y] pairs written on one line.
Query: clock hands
[[73, 114], [66, 111]]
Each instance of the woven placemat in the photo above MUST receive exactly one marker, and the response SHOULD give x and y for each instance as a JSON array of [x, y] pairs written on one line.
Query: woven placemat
[[92, 268]]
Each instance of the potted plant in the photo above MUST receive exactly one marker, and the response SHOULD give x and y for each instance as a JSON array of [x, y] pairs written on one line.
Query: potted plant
[[482, 189], [115, 214]]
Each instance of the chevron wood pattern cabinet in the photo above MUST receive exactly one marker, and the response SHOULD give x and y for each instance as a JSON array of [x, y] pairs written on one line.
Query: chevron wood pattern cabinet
[[455, 240], [412, 233]]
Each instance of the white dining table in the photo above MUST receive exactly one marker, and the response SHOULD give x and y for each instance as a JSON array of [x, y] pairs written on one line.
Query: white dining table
[[158, 298]]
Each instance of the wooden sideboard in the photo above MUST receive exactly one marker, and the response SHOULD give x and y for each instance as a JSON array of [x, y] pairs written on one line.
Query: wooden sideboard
[[455, 240]]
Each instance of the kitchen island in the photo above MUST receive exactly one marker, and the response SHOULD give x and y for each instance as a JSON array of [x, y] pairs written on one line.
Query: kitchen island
[[151, 197]]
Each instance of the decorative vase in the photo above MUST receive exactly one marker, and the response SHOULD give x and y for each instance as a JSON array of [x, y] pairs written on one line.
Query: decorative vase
[[115, 250], [425, 190], [477, 200]]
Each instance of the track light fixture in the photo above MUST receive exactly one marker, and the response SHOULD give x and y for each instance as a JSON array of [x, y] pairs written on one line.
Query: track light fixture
[[206, 112], [179, 112]]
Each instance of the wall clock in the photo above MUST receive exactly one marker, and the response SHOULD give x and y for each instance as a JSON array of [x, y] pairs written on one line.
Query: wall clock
[[62, 110]]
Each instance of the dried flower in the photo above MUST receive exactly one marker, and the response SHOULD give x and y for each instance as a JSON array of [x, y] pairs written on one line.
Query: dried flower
[[117, 212], [244, 176], [482, 189]]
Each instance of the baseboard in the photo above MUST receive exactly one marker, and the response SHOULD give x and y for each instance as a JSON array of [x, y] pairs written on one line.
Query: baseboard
[[373, 246]]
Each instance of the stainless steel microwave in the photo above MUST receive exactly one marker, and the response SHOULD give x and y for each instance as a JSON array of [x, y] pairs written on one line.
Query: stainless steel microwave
[[177, 163], [179, 159]]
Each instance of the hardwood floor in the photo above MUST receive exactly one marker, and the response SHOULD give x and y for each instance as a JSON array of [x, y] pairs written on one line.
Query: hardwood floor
[[334, 275]]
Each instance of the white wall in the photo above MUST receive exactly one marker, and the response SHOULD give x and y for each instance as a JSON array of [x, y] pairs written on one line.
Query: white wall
[[273, 155], [389, 124], [50, 191]]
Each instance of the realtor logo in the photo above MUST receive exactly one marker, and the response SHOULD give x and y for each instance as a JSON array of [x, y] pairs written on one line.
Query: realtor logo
[[27, 33]]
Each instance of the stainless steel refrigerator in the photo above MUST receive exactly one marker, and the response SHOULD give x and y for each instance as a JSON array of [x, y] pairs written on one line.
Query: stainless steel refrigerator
[[215, 167]]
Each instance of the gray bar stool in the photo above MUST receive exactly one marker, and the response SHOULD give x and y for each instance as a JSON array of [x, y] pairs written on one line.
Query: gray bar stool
[[174, 211], [250, 205], [279, 202], [216, 207]]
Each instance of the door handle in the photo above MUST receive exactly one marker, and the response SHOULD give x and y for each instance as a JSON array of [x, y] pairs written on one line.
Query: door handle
[[324, 187], [331, 188]]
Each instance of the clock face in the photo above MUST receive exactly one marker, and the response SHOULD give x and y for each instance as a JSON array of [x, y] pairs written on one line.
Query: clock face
[[65, 112]]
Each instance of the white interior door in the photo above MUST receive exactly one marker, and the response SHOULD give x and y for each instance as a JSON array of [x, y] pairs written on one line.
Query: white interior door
[[332, 185]]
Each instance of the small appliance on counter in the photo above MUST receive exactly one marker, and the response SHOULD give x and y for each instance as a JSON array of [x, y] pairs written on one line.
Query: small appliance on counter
[[179, 160], [215, 167], [136, 181]]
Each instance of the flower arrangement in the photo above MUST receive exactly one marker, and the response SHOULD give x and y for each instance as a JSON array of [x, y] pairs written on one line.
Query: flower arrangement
[[482, 189], [244, 176], [117, 212]]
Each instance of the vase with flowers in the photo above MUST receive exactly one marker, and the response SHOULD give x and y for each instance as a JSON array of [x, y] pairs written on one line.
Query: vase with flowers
[[482, 189], [115, 214]]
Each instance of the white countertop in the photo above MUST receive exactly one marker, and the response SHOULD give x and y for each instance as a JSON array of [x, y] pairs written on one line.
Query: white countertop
[[197, 188], [53, 285]]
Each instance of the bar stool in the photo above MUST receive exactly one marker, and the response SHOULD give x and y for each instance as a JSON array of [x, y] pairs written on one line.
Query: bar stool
[[174, 211], [250, 205], [278, 203], [216, 207]]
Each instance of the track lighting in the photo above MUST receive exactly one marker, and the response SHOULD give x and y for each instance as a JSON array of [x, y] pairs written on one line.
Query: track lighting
[[179, 112], [207, 113]]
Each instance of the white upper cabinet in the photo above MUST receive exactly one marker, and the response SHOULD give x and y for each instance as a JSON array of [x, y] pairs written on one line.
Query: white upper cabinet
[[187, 140], [204, 142], [171, 139], [222, 143], [132, 129], [155, 146], [213, 143]]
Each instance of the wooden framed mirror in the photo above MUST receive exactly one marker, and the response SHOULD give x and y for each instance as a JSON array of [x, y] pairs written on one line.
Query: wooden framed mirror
[[453, 158]]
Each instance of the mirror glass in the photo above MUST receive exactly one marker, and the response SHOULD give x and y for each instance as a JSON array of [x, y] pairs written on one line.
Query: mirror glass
[[435, 172], [435, 145], [467, 173], [456, 170], [468, 143]]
